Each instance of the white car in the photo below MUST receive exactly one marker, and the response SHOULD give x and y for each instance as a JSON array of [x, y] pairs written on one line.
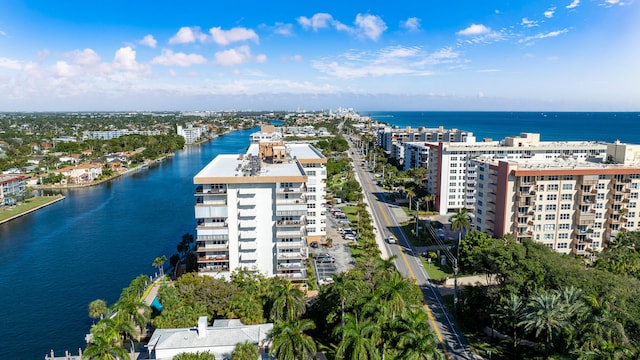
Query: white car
[[392, 239]]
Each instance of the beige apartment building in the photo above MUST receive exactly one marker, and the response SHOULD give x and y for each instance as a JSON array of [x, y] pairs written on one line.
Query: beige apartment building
[[571, 205], [252, 210]]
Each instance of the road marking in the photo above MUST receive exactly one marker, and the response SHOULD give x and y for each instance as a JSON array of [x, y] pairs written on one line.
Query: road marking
[[413, 276]]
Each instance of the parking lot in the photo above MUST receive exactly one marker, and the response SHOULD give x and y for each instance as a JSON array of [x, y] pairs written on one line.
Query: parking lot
[[342, 259]]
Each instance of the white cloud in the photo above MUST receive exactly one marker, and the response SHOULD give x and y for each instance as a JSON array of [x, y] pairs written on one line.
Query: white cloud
[[125, 59], [232, 57], [574, 4], [187, 35], [10, 64], [549, 13], [317, 21], [371, 26], [390, 61], [2, 33], [411, 24], [283, 29], [614, 2], [262, 58], [169, 58], [474, 29], [62, 69], [85, 57], [528, 23], [530, 39], [225, 37], [149, 41]]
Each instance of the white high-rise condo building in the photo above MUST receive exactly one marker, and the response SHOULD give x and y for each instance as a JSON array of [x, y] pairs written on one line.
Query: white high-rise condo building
[[257, 210]]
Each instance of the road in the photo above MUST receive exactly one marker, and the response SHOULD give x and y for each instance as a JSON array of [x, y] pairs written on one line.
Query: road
[[452, 342]]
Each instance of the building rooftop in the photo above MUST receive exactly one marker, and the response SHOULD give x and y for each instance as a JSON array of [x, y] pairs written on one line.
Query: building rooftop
[[249, 169]]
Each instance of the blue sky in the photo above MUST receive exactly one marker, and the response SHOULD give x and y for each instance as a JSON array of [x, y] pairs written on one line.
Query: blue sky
[[568, 55]]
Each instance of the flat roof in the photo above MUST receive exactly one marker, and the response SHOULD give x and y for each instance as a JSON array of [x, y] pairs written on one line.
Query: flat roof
[[243, 169]]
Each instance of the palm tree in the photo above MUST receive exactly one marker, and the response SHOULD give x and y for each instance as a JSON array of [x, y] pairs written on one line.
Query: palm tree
[[604, 335], [459, 221], [341, 287], [290, 342], [105, 347], [410, 194], [395, 293], [511, 313], [415, 340], [131, 310], [288, 300], [546, 317], [428, 199], [97, 309], [245, 351], [358, 339], [159, 263]]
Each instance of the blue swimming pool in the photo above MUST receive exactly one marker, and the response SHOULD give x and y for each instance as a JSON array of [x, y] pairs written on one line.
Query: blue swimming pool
[[156, 304]]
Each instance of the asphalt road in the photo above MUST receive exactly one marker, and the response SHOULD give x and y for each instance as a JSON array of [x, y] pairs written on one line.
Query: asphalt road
[[452, 342]]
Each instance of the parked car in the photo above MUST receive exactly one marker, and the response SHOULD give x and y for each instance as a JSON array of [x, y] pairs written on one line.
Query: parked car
[[350, 237], [326, 260], [314, 244]]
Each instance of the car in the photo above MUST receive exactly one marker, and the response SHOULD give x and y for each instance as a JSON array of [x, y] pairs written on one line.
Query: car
[[314, 244], [322, 255], [326, 260], [325, 281], [349, 237], [391, 239]]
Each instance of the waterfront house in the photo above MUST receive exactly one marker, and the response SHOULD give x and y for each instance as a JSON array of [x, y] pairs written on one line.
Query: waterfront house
[[219, 339], [81, 174]]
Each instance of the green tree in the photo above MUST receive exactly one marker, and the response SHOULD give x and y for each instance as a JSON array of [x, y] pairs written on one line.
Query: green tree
[[195, 356], [511, 313], [159, 264], [288, 300], [245, 351], [415, 340], [290, 342], [97, 309], [460, 221], [105, 346], [545, 318], [357, 339]]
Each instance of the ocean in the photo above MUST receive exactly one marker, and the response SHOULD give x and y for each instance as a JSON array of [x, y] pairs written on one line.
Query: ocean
[[552, 126]]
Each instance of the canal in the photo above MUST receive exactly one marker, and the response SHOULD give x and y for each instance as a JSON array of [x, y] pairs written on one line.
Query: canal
[[55, 261]]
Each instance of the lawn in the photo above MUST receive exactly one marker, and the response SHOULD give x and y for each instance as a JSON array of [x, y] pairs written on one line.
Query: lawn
[[10, 211], [436, 271]]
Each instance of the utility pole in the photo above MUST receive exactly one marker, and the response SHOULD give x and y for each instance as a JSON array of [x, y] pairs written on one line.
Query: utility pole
[[455, 274], [417, 215]]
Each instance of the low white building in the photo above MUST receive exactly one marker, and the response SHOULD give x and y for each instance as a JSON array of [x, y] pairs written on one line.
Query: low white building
[[219, 339]]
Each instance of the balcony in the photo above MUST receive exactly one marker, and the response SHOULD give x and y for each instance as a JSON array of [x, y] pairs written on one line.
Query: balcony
[[284, 223], [203, 202], [299, 200], [290, 244], [203, 224], [291, 255], [297, 276], [291, 266], [201, 191], [251, 212], [248, 245], [290, 234], [213, 268], [246, 201], [208, 247], [289, 190], [247, 224], [249, 256], [213, 258], [246, 235], [219, 237]]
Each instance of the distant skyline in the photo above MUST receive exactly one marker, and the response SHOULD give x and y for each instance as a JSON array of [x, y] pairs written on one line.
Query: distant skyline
[[569, 55]]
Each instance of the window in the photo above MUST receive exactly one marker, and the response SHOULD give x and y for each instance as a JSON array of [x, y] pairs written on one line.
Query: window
[[552, 187], [632, 205], [564, 226], [550, 217], [311, 206], [567, 186], [600, 186], [548, 236], [549, 227], [563, 245], [551, 207], [633, 195], [552, 178], [565, 207], [563, 236], [312, 189], [600, 196], [565, 216], [566, 196], [552, 197]]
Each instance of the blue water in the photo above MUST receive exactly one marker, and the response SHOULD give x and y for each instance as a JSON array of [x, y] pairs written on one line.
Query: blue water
[[595, 126], [91, 245], [156, 304]]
